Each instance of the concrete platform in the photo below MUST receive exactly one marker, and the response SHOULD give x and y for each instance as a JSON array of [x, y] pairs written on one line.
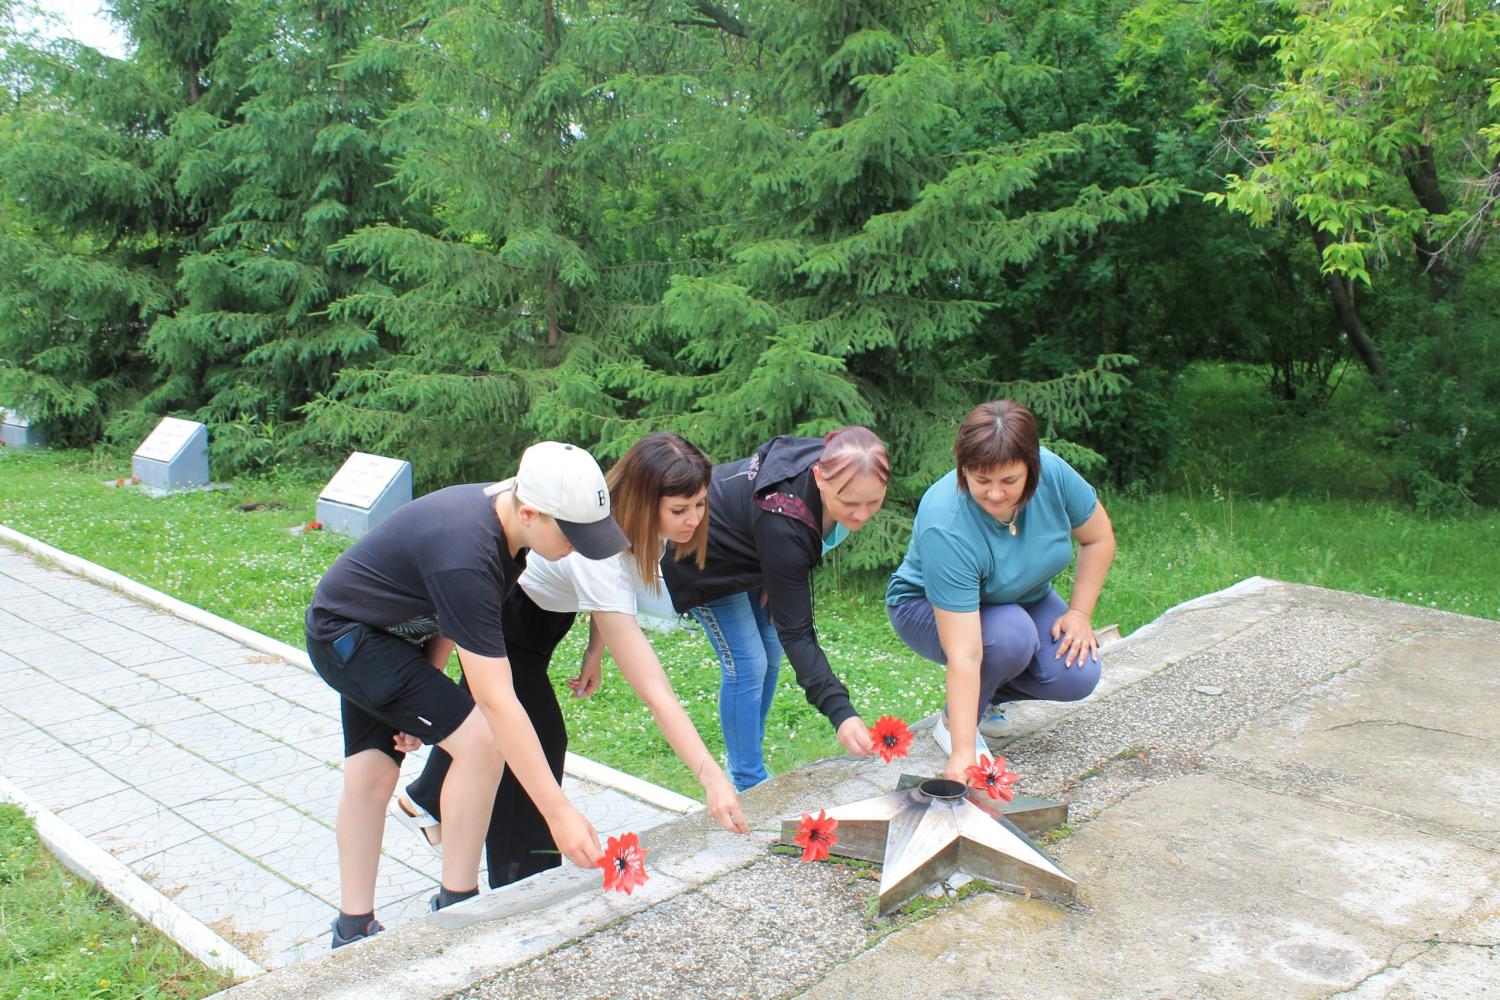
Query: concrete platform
[[1279, 791]]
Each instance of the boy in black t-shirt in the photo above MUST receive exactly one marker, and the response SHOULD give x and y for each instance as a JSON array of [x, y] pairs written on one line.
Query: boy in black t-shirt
[[382, 624]]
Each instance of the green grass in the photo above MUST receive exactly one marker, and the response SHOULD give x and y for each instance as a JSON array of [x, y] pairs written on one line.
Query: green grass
[[248, 567], [61, 939]]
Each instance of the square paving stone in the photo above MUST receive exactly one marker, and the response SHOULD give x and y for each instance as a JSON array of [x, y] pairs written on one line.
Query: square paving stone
[[87, 728], [22, 679], [216, 649], [135, 691], [237, 696], [42, 649], [166, 667], [242, 806], [214, 737], [265, 926], [141, 652], [132, 751], [74, 787], [249, 664], [291, 723], [271, 764], [159, 710], [53, 702], [191, 861], [277, 834], [85, 671], [201, 682], [302, 689], [141, 845], [125, 808]]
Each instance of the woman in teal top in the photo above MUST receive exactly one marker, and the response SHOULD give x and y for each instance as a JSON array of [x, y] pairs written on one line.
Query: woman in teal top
[[975, 589]]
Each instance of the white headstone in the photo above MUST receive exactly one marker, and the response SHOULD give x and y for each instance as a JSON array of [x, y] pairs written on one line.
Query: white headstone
[[173, 457], [17, 431], [365, 491]]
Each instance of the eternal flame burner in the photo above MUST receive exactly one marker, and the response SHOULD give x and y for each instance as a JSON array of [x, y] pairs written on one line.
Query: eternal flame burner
[[927, 829]]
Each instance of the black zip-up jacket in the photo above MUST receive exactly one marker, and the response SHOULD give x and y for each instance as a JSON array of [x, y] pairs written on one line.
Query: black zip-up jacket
[[765, 519]]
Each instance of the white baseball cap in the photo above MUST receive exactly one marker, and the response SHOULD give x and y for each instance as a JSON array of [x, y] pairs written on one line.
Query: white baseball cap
[[564, 481]]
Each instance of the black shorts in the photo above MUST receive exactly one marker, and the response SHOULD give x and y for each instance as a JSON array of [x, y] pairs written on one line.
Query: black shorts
[[386, 686]]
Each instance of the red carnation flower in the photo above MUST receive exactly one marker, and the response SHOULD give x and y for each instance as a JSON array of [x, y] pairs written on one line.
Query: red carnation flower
[[135, 480], [119, 482], [624, 864], [892, 738], [314, 526], [816, 835], [994, 777]]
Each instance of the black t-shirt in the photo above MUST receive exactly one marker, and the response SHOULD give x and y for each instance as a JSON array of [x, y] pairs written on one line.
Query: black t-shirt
[[440, 564]]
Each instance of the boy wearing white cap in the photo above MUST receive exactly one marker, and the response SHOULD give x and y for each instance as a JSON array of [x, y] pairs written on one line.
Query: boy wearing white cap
[[382, 624]]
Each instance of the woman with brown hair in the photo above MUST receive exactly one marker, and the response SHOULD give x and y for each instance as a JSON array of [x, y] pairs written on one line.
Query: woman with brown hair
[[975, 589], [659, 497]]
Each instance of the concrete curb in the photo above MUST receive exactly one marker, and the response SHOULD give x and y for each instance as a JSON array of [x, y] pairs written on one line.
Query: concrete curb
[[579, 767], [94, 864]]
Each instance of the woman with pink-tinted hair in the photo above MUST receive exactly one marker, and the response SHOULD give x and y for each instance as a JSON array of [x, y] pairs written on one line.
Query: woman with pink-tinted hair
[[775, 515]]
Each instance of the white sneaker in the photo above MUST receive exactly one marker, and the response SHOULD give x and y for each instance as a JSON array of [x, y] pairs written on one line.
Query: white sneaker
[[417, 820], [993, 722], [941, 736]]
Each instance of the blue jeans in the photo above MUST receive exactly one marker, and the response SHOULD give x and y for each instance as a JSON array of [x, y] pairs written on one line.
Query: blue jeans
[[739, 629], [1020, 656]]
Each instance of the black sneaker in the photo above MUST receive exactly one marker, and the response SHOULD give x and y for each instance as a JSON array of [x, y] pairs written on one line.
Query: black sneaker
[[371, 929]]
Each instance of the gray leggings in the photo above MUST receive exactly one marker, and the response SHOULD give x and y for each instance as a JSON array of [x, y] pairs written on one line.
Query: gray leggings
[[1020, 656]]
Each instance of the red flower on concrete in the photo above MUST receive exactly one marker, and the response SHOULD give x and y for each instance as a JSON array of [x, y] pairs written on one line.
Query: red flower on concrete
[[119, 482], [135, 480], [994, 777], [624, 864], [892, 738], [313, 526], [816, 836]]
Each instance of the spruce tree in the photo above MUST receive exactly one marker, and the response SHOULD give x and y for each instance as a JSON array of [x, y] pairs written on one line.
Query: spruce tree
[[92, 226], [296, 168]]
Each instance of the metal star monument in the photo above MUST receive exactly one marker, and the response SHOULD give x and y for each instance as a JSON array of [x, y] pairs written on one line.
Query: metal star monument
[[927, 829]]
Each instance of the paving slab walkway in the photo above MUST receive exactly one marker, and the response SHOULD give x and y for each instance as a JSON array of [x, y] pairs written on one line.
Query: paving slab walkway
[[211, 769], [1278, 791]]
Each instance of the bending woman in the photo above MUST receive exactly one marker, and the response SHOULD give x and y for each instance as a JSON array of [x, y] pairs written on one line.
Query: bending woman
[[975, 589], [775, 515], [659, 495]]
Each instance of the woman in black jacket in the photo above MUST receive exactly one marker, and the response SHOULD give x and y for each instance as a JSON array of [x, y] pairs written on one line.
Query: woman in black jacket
[[773, 517]]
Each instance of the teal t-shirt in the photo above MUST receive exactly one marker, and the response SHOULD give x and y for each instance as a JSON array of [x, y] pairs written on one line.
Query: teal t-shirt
[[960, 556]]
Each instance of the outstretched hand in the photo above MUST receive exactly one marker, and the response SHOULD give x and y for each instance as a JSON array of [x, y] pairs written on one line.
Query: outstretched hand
[[575, 838], [855, 737], [587, 681], [724, 805]]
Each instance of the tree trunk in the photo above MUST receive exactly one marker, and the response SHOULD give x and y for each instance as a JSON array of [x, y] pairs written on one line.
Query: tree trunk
[[1420, 167], [1343, 306]]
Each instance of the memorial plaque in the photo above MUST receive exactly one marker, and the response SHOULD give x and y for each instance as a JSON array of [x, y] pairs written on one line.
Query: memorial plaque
[[17, 431], [365, 491], [173, 457]]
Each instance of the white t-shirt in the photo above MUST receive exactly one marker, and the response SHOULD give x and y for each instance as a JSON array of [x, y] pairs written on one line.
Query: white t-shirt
[[574, 583]]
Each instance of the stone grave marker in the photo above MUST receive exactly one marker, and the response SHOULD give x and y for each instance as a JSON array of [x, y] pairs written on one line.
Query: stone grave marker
[[173, 457], [365, 491], [17, 432]]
